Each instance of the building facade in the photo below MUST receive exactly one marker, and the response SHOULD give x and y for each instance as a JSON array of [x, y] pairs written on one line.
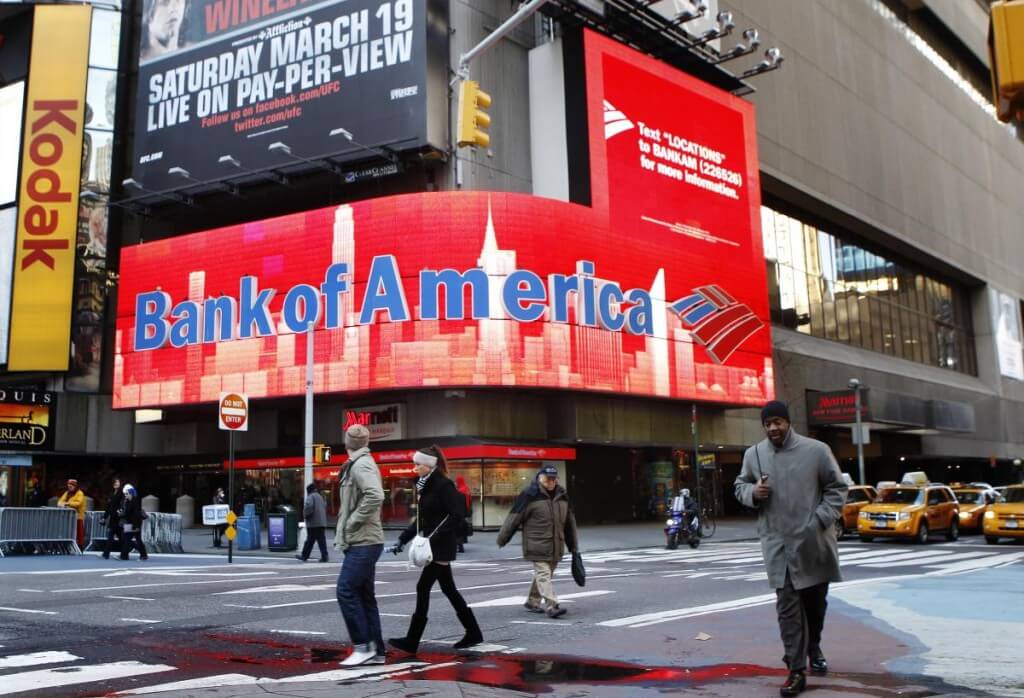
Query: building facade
[[883, 209]]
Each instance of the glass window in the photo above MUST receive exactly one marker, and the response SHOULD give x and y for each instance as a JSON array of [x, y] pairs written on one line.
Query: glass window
[[101, 97], [768, 232], [842, 319], [472, 473], [502, 483], [12, 98], [853, 306], [105, 39], [900, 495], [837, 290]]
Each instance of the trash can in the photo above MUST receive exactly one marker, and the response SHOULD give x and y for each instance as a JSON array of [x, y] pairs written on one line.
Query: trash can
[[283, 529], [248, 530]]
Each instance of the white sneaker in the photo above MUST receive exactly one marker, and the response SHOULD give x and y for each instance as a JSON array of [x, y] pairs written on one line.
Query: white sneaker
[[361, 654], [377, 659]]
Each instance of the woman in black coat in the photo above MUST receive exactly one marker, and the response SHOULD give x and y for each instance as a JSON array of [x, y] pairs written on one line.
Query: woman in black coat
[[441, 509], [131, 516]]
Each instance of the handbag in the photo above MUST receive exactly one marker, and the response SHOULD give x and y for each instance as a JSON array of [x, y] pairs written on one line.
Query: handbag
[[420, 553], [579, 573]]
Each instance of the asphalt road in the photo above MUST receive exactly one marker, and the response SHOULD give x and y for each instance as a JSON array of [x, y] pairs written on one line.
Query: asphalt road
[[907, 620]]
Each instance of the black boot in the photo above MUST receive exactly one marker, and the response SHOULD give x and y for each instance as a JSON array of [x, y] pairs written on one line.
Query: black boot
[[473, 635], [411, 642]]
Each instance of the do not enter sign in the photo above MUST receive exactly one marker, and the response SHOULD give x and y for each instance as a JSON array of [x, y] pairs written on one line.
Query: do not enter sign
[[233, 412]]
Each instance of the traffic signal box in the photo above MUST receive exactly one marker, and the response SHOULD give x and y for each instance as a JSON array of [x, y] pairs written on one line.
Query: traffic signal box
[[1006, 54], [321, 454], [473, 120]]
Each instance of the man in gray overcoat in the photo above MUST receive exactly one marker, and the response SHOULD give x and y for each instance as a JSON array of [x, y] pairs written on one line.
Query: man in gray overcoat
[[795, 483]]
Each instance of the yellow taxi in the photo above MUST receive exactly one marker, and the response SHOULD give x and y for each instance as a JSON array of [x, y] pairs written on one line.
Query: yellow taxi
[[1005, 518], [857, 497], [910, 511], [973, 502]]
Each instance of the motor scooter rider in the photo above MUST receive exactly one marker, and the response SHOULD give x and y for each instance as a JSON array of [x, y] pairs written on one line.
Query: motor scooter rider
[[685, 503]]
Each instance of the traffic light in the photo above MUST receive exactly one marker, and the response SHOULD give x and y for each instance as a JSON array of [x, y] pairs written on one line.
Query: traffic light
[[1006, 54], [321, 454], [473, 120]]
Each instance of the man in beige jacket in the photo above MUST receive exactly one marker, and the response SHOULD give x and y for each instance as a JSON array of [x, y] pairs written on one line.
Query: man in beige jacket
[[360, 536]]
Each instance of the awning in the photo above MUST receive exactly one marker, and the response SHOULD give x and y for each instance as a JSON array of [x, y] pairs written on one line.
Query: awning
[[889, 410], [452, 453]]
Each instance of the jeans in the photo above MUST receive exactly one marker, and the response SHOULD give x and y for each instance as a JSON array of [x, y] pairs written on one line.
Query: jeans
[[801, 620], [356, 597], [315, 534]]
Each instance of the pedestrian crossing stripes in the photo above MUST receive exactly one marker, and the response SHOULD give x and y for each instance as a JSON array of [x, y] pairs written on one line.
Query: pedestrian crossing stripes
[[57, 677], [744, 562], [75, 673]]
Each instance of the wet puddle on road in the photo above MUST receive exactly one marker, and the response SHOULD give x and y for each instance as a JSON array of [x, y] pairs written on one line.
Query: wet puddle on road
[[523, 672]]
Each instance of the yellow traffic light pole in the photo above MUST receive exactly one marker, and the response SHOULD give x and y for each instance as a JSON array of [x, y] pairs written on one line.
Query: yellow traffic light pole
[[472, 120], [1006, 54]]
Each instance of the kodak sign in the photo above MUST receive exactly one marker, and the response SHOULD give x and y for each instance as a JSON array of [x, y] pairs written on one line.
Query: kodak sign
[[51, 164]]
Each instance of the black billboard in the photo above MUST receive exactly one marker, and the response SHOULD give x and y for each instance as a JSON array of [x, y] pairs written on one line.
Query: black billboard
[[27, 419], [231, 77]]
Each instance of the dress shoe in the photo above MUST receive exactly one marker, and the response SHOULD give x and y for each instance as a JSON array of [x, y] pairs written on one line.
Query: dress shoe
[[795, 683], [300, 558], [819, 665], [533, 608], [555, 611]]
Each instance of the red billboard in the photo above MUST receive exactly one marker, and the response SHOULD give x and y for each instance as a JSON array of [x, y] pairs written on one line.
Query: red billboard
[[657, 289]]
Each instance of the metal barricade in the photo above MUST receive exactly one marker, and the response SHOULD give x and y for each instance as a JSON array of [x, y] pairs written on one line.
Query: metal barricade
[[95, 530], [38, 530], [161, 533]]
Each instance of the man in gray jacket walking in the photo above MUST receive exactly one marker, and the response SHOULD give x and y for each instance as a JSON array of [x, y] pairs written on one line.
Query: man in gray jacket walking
[[360, 536], [315, 513], [799, 492]]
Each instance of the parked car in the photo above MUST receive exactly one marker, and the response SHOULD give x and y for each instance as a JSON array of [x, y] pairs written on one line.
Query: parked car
[[910, 511], [1005, 518]]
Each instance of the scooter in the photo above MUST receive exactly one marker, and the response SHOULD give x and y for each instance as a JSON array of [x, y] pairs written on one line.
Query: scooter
[[676, 531]]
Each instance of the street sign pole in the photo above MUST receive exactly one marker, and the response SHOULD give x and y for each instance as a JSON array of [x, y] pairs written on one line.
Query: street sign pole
[[232, 416], [231, 488], [307, 470], [859, 434], [696, 454], [307, 473]]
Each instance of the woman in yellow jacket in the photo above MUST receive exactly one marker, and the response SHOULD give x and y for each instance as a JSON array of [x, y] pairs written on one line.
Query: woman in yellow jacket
[[74, 498]]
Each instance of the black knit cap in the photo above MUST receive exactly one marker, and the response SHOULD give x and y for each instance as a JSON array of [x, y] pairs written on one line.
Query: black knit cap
[[774, 408]]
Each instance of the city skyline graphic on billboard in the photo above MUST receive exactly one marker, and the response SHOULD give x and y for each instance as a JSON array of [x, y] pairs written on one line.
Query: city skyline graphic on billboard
[[658, 289]]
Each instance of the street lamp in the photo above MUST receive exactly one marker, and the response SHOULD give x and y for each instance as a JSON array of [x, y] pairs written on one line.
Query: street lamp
[[379, 152], [232, 161], [284, 149], [859, 433]]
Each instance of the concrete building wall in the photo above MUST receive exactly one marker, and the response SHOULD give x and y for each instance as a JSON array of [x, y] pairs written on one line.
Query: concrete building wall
[[503, 72], [860, 118], [867, 131]]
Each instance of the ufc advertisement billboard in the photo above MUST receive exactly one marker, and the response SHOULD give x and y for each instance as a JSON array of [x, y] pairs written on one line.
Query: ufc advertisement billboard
[[656, 289], [231, 77]]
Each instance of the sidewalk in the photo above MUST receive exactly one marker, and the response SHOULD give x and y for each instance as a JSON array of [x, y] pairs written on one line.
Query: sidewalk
[[482, 545]]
